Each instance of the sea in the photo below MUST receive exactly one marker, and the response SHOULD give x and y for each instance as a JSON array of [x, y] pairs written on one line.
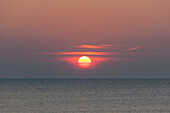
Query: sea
[[84, 95]]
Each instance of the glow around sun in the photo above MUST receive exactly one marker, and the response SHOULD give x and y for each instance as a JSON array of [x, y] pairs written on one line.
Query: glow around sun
[[84, 61]]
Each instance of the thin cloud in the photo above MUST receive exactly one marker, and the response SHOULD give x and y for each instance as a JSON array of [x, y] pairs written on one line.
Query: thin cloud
[[117, 52], [94, 47], [132, 49], [82, 53]]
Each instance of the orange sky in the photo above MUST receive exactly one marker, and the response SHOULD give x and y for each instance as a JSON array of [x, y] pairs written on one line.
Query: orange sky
[[83, 22], [62, 25]]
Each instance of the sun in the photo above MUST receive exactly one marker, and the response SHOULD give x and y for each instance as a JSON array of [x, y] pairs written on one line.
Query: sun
[[84, 61]]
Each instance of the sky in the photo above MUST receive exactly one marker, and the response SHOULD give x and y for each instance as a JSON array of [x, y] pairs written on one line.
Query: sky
[[123, 38]]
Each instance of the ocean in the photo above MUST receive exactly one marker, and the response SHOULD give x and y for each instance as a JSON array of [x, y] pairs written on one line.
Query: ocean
[[84, 95]]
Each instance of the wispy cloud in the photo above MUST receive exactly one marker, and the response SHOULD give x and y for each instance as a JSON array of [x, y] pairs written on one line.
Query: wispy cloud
[[132, 49], [94, 46], [82, 53], [112, 50]]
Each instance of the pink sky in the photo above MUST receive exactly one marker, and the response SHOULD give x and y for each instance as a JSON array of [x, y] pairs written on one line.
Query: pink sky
[[138, 26]]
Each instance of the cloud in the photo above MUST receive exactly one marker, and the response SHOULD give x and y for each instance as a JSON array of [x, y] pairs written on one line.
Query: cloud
[[82, 53], [116, 50], [132, 49], [94, 46]]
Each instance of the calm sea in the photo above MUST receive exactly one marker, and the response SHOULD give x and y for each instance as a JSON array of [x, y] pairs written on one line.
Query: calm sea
[[85, 96]]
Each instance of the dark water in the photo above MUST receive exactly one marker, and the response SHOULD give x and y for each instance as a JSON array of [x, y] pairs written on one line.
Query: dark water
[[85, 96]]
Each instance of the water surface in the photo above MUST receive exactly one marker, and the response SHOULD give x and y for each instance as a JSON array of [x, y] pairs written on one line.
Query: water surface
[[85, 96]]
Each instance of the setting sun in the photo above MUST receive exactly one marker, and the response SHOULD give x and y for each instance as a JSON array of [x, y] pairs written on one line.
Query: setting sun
[[84, 61]]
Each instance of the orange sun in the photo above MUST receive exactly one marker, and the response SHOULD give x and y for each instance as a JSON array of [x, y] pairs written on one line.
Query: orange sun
[[84, 61]]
